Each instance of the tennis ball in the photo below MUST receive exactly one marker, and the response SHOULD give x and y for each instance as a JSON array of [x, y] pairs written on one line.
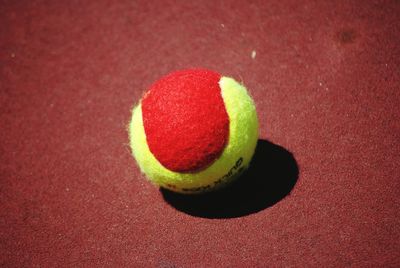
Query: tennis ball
[[194, 131]]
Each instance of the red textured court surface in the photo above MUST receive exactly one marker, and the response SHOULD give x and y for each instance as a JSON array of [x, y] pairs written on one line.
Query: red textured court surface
[[323, 190]]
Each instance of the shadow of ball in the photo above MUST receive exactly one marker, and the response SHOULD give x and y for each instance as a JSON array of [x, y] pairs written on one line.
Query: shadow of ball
[[271, 176]]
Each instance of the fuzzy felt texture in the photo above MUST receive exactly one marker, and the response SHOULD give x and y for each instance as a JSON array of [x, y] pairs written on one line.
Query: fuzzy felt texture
[[185, 120], [235, 157]]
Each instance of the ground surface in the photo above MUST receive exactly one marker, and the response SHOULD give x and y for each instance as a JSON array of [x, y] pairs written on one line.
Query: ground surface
[[325, 78]]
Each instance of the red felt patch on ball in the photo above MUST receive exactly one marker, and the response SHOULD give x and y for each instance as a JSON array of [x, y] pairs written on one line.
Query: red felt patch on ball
[[185, 120]]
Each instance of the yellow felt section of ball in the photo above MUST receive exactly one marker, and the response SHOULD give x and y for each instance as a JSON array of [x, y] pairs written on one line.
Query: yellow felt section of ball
[[243, 136]]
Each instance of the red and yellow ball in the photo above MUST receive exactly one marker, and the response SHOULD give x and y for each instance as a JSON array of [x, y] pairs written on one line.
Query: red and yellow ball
[[194, 131]]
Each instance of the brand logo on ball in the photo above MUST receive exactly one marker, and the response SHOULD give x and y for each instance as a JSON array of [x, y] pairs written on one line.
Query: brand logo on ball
[[235, 170]]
